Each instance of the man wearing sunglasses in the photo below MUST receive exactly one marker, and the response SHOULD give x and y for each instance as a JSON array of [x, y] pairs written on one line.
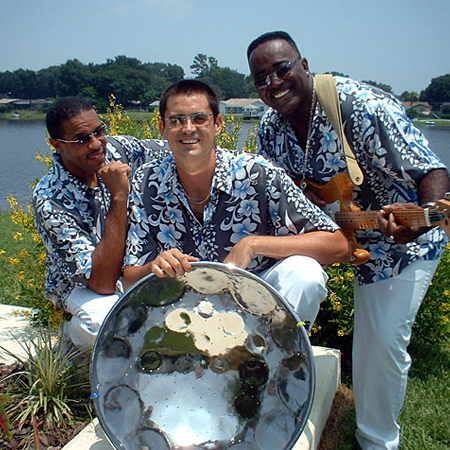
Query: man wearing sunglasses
[[399, 171], [80, 209], [210, 204]]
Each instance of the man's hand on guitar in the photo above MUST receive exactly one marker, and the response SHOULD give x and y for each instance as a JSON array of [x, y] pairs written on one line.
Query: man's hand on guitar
[[395, 231]]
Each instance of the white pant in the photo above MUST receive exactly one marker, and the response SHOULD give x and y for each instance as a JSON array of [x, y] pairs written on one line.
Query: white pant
[[384, 315], [88, 310], [301, 281]]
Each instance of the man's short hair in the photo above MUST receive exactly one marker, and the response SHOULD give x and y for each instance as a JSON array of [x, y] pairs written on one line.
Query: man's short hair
[[63, 109], [187, 87], [271, 36]]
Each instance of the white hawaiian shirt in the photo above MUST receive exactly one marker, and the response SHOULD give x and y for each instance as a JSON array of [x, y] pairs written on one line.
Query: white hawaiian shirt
[[249, 197], [392, 153], [70, 216]]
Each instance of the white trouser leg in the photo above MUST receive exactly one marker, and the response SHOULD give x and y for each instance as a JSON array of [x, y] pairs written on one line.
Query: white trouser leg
[[88, 310], [301, 281], [384, 315]]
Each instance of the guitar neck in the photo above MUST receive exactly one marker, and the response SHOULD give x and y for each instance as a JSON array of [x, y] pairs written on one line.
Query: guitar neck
[[365, 220]]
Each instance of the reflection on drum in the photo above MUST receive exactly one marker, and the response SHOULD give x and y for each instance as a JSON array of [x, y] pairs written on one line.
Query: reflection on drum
[[212, 360]]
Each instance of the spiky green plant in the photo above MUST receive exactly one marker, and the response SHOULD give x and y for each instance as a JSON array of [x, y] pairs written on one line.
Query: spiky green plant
[[50, 385]]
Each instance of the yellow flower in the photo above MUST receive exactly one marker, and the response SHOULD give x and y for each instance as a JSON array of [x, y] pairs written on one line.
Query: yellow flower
[[18, 236], [333, 297], [13, 261], [337, 306]]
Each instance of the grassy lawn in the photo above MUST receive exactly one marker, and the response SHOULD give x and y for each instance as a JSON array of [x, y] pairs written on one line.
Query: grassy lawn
[[425, 418]]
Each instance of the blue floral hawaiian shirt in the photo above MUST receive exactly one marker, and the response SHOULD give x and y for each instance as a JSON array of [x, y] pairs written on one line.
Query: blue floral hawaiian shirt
[[70, 216], [392, 153], [249, 196]]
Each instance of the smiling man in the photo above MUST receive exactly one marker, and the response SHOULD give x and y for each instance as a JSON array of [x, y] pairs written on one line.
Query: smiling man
[[400, 172], [80, 209], [210, 204]]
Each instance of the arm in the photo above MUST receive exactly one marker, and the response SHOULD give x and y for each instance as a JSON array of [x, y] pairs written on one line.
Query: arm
[[432, 187], [326, 247], [107, 258]]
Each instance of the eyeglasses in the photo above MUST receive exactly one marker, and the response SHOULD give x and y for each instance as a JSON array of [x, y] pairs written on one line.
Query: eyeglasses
[[86, 140], [281, 72], [198, 119]]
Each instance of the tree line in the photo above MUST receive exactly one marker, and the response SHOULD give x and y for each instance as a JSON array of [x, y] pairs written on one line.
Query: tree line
[[128, 79], [131, 81]]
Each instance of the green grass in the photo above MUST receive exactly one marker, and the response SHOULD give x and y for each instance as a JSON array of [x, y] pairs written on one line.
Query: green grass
[[425, 417], [438, 122]]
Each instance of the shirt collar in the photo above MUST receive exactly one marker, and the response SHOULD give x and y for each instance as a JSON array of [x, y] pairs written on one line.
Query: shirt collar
[[221, 180]]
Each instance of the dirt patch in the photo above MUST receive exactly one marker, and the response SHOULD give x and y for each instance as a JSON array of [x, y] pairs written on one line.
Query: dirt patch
[[342, 404], [24, 438]]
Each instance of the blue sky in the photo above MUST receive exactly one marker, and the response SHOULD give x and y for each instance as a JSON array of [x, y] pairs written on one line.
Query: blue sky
[[403, 43]]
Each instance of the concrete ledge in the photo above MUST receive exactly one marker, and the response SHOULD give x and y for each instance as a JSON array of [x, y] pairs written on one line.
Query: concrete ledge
[[15, 329], [328, 374], [328, 377]]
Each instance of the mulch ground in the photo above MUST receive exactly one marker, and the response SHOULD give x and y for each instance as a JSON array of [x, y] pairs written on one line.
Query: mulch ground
[[342, 404], [23, 438]]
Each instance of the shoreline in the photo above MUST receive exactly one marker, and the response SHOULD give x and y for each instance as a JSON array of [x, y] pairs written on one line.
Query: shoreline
[[34, 115]]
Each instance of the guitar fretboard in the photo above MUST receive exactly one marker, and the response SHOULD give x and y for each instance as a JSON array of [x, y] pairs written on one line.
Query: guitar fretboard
[[365, 220]]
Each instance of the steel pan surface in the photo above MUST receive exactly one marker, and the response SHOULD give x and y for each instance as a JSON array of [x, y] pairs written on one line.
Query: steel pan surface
[[214, 359]]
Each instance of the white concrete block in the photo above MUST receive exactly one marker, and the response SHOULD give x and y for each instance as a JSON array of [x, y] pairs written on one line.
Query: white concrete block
[[328, 377], [90, 438], [15, 330]]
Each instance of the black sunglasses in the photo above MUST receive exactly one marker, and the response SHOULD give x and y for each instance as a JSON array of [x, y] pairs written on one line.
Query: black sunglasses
[[281, 72], [85, 140]]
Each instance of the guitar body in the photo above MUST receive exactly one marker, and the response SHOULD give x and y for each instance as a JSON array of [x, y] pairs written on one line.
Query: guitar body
[[338, 193]]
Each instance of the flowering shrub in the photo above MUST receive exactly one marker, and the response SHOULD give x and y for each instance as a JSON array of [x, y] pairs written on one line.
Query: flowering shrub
[[119, 122]]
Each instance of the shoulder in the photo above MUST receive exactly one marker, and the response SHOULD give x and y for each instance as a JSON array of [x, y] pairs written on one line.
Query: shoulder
[[123, 147], [365, 96]]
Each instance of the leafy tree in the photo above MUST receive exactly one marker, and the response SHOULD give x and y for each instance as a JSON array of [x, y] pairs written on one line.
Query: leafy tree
[[409, 96], [170, 72], [203, 65], [73, 77], [11, 84], [382, 86], [337, 74], [438, 90], [46, 82]]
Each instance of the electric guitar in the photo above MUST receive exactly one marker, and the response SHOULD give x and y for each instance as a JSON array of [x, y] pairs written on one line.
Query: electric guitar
[[338, 193]]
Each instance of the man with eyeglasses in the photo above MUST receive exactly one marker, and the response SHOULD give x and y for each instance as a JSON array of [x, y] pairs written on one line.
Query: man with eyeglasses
[[210, 204], [80, 209], [400, 171]]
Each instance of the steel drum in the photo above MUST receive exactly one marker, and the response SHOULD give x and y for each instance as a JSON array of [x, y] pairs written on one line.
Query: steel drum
[[214, 359]]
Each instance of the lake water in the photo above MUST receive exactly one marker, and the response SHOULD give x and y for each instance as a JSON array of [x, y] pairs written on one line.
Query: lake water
[[21, 140]]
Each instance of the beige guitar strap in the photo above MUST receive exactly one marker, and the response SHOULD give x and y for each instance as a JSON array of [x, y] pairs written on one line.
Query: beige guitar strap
[[328, 98]]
